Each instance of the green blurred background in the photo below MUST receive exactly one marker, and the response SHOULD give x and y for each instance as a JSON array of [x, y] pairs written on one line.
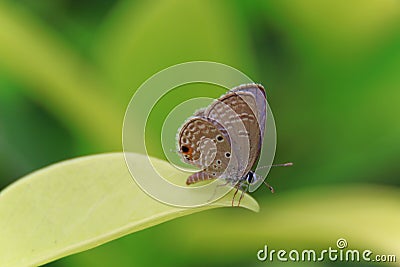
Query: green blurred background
[[331, 68]]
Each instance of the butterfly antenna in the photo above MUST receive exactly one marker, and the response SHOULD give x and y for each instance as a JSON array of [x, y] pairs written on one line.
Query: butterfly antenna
[[270, 187], [276, 165]]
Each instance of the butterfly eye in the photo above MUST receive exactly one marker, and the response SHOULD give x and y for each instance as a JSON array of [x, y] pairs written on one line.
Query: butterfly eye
[[250, 177], [220, 138], [227, 154]]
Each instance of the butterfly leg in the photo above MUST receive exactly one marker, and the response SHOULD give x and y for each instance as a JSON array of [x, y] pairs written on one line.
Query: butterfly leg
[[242, 195], [234, 195]]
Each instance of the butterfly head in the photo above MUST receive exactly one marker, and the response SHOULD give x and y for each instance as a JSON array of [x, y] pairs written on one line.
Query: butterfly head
[[251, 178]]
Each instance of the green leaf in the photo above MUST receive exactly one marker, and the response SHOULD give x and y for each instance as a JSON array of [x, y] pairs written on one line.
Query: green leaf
[[78, 204], [57, 77], [139, 39]]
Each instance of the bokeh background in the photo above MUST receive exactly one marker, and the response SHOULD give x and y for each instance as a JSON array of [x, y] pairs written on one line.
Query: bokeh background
[[68, 69]]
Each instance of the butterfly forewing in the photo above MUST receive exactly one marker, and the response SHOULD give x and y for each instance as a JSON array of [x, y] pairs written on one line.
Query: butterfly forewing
[[242, 111], [259, 108]]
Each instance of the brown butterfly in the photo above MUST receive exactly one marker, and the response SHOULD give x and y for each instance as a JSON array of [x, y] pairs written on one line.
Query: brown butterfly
[[224, 140]]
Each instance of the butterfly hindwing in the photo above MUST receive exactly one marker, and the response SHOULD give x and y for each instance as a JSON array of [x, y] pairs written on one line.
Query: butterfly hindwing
[[203, 142]]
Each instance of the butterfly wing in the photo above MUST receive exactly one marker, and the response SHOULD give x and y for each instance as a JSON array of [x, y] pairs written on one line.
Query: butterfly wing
[[256, 92], [204, 143], [243, 109]]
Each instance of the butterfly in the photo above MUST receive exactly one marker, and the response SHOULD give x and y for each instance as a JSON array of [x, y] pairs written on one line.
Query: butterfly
[[224, 140]]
